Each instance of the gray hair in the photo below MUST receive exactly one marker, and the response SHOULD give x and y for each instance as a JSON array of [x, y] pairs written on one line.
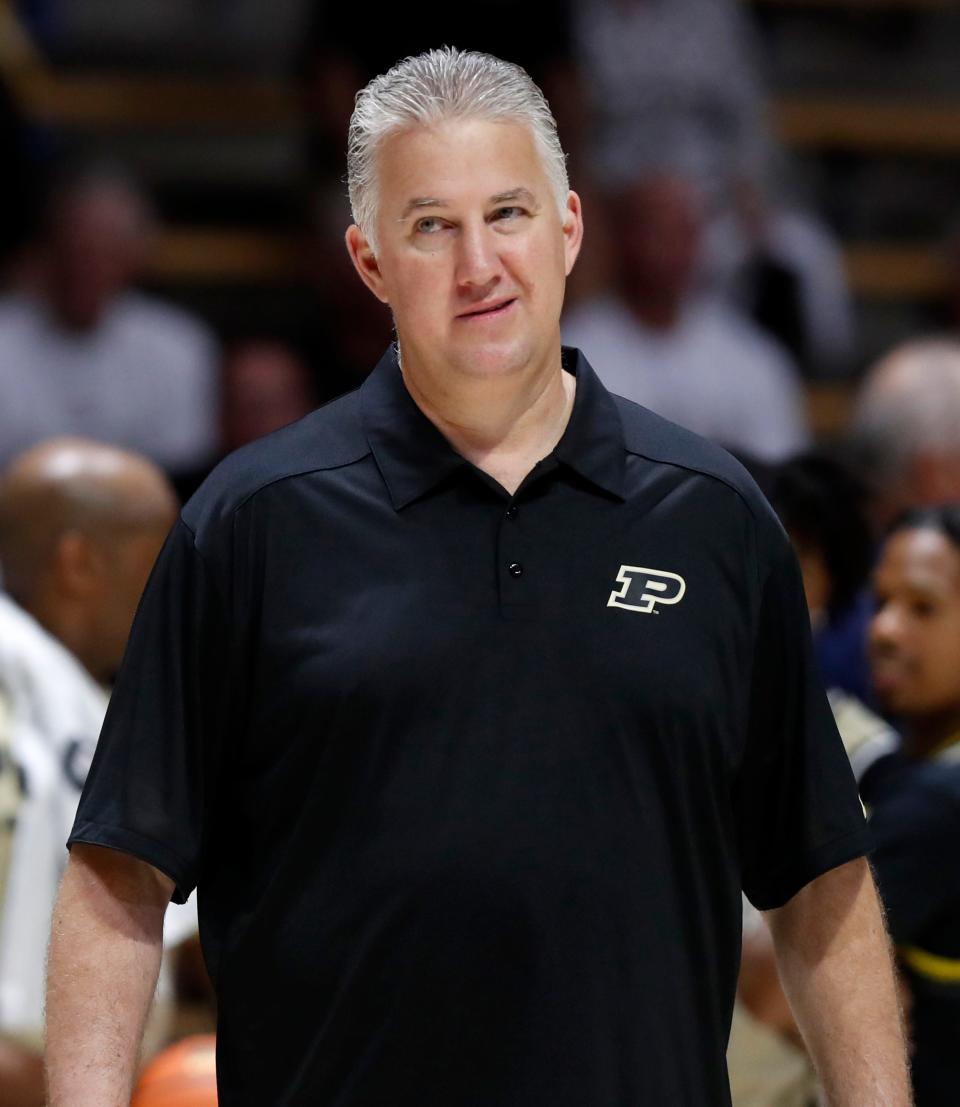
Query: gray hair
[[909, 403], [436, 86]]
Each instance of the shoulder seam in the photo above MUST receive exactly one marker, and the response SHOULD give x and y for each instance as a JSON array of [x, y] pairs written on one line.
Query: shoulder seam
[[758, 571], [298, 473], [699, 471]]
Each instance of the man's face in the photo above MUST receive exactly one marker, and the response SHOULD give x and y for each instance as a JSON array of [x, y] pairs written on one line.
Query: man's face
[[658, 226], [93, 251], [914, 639], [473, 254]]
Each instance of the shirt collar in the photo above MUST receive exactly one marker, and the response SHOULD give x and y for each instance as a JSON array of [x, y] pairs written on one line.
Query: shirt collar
[[414, 457]]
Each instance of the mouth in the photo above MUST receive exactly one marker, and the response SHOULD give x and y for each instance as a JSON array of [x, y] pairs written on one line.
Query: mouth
[[489, 311], [888, 674]]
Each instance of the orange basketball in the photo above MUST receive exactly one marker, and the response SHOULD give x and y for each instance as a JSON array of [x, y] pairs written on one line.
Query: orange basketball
[[183, 1075]]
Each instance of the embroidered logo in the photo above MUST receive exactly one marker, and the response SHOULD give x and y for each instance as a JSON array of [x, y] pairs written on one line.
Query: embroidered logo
[[655, 586]]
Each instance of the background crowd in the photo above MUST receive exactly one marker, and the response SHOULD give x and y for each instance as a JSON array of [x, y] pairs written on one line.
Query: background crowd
[[771, 194]]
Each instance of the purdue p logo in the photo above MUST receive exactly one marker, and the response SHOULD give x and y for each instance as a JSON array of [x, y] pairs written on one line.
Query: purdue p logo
[[653, 586]]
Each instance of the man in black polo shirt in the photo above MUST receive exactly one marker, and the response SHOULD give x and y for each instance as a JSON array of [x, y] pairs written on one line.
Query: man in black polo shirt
[[469, 703]]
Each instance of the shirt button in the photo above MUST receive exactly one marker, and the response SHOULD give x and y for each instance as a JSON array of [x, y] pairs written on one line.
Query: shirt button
[[515, 569], [512, 511]]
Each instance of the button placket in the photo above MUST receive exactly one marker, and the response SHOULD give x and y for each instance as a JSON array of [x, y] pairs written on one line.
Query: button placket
[[512, 568]]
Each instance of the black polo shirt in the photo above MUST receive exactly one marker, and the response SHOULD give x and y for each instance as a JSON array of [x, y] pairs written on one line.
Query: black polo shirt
[[469, 783]]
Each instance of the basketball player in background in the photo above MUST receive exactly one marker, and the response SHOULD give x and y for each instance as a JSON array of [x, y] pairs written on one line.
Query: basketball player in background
[[80, 527]]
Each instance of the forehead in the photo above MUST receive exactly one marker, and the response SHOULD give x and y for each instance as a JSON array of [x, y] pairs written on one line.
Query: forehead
[[920, 557], [458, 160]]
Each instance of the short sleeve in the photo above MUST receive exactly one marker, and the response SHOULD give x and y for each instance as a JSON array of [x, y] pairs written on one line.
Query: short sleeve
[[152, 785], [797, 808], [917, 836]]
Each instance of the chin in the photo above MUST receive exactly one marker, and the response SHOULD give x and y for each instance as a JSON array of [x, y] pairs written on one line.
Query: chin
[[493, 362]]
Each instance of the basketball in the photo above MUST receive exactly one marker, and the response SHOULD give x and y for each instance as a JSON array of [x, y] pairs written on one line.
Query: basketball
[[183, 1075]]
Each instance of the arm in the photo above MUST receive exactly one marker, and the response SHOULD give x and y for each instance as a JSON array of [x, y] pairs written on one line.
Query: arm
[[759, 988], [104, 958], [835, 963]]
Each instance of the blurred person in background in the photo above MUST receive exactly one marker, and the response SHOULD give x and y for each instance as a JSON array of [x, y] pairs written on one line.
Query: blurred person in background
[[264, 385], [904, 448], [781, 265], [905, 433], [678, 82], [821, 506], [663, 342], [80, 526], [21, 1067], [914, 804], [82, 352]]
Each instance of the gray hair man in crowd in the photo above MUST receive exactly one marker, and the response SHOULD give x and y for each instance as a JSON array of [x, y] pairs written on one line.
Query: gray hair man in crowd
[[906, 427]]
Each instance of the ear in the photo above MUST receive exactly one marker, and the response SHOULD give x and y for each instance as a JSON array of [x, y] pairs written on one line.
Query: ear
[[78, 565], [365, 262], [572, 230]]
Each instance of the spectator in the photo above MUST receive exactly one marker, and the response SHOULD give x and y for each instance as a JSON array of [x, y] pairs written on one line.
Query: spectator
[[904, 447], [82, 353], [21, 1067], [821, 506], [824, 509], [781, 264], [915, 659], [80, 526], [689, 356], [265, 386], [906, 428], [677, 83]]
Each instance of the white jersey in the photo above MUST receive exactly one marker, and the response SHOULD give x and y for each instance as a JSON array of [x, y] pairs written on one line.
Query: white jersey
[[54, 713]]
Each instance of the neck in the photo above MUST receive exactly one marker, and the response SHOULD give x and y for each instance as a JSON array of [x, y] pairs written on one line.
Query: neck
[[68, 625], [924, 736], [504, 426]]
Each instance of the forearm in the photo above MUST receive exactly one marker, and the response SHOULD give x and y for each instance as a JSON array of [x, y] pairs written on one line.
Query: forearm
[[105, 950], [836, 965]]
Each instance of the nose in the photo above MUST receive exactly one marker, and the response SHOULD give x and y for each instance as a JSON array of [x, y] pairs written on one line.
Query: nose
[[478, 259], [886, 627]]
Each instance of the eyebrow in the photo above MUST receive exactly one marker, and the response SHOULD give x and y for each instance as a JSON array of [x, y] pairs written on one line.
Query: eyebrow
[[500, 198]]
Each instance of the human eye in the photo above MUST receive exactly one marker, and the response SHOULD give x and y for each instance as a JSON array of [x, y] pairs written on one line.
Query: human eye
[[429, 224], [924, 607], [509, 214]]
